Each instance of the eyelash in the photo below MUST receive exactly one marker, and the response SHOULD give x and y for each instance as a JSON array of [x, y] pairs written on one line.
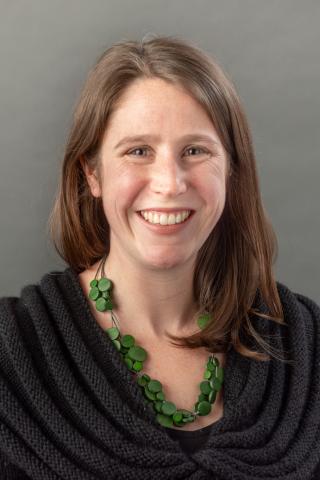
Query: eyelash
[[189, 148]]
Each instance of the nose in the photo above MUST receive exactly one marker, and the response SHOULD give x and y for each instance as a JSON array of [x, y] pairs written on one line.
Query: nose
[[168, 178]]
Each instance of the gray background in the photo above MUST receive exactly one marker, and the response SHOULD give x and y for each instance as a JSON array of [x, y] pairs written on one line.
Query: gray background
[[270, 49]]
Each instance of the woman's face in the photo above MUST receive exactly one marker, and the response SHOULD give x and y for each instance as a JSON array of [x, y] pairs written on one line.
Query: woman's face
[[169, 167]]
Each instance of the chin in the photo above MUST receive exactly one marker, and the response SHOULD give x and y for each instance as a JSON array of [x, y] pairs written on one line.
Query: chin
[[165, 259], [164, 265]]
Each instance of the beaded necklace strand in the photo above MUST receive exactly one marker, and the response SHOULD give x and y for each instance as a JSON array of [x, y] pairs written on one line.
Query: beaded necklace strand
[[167, 414]]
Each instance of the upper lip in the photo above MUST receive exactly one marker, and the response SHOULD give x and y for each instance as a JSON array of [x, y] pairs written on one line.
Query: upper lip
[[156, 209]]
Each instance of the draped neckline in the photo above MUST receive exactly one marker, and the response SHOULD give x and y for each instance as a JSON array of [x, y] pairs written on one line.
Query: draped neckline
[[239, 374]]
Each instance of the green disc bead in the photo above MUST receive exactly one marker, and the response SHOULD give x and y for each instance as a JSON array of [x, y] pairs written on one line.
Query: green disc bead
[[160, 396], [123, 349], [168, 408], [148, 394], [205, 387], [164, 420], [181, 411], [127, 341], [204, 408], [207, 374], [101, 304], [177, 417], [154, 386], [105, 295], [203, 320], [219, 374], [137, 366], [211, 366], [157, 406], [215, 384], [201, 397], [212, 396], [109, 304], [94, 293], [142, 381], [128, 362], [137, 353], [146, 377], [185, 413], [113, 333], [104, 284], [94, 283], [117, 344], [188, 419]]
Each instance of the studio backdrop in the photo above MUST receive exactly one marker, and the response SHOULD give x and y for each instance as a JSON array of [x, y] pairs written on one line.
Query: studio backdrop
[[270, 50]]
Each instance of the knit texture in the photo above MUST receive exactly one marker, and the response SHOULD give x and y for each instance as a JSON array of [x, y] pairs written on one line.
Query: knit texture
[[71, 409]]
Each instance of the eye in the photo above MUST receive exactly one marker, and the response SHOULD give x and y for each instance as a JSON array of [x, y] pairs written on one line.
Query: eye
[[137, 149], [146, 148], [196, 148]]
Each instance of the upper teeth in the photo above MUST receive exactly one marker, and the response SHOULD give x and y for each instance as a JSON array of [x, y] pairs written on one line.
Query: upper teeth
[[165, 218]]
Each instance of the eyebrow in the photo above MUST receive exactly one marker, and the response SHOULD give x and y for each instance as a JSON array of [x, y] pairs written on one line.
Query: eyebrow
[[148, 138]]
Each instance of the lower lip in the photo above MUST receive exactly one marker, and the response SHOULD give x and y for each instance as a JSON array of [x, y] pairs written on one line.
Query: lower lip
[[165, 229]]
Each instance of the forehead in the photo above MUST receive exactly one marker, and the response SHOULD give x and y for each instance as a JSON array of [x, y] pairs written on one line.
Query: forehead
[[147, 89], [160, 104]]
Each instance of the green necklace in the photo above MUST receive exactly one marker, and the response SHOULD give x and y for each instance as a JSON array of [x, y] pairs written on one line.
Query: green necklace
[[133, 355]]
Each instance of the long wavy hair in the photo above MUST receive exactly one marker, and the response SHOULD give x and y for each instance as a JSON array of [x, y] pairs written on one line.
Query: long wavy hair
[[238, 256]]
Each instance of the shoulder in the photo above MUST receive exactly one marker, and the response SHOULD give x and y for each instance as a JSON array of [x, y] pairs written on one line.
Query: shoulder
[[298, 304], [18, 313], [13, 309], [28, 351], [32, 292], [302, 318], [10, 310]]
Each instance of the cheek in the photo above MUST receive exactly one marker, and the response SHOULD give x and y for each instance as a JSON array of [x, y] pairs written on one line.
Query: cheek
[[214, 198], [119, 193], [211, 189]]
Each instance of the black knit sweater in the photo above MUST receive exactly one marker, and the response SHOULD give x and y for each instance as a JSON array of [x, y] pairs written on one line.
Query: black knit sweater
[[71, 409]]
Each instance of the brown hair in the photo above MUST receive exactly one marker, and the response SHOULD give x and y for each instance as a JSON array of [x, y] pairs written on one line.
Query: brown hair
[[237, 257]]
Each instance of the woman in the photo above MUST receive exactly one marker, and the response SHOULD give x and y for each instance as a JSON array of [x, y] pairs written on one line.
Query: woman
[[166, 348]]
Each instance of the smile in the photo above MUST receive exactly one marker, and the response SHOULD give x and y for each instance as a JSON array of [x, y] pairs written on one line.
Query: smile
[[166, 228], [163, 218]]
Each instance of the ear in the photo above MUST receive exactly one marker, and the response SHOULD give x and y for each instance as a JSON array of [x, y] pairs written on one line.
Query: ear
[[92, 179]]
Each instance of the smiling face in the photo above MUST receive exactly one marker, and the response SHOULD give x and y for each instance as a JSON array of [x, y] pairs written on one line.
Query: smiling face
[[170, 167]]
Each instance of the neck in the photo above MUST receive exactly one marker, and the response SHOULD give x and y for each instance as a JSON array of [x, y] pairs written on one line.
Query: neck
[[152, 300]]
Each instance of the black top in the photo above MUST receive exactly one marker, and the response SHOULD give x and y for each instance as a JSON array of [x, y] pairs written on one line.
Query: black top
[[71, 409], [191, 440]]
